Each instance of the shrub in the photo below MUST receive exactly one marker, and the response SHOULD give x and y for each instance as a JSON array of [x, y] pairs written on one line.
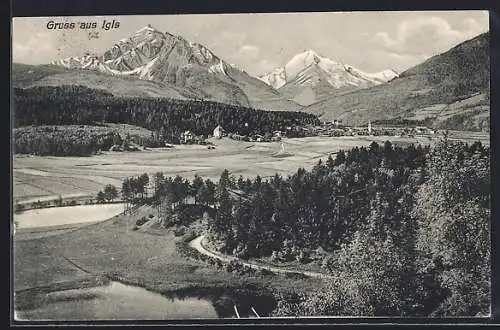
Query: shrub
[[19, 208], [303, 257], [264, 271], [295, 275], [72, 203], [327, 263], [141, 221], [189, 235], [179, 231], [274, 256]]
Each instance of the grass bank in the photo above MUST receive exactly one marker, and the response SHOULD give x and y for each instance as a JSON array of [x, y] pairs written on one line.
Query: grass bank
[[137, 258]]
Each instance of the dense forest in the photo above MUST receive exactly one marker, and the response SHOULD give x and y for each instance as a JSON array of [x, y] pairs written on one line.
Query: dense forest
[[77, 140], [67, 105], [405, 230]]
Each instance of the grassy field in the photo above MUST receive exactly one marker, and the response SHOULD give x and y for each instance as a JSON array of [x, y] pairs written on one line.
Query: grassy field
[[149, 258], [36, 177], [146, 259]]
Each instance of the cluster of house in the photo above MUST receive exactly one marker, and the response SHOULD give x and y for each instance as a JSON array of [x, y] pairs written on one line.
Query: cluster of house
[[219, 132], [274, 137], [336, 128], [190, 137]]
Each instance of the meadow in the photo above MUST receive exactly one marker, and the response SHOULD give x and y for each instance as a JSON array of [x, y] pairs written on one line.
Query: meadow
[[36, 177], [150, 258]]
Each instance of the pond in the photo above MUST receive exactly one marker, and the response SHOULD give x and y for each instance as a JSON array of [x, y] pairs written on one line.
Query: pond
[[117, 301], [67, 215]]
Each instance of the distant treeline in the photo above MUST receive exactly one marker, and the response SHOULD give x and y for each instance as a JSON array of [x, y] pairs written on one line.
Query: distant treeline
[[65, 105], [56, 141], [73, 140]]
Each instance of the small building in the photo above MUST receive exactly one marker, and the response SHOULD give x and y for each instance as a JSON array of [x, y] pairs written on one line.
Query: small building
[[218, 132], [187, 136]]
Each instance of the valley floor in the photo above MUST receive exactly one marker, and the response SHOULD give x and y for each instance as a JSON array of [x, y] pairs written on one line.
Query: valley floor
[[38, 178]]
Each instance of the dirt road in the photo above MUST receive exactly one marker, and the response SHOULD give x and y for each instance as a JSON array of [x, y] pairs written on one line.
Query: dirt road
[[197, 245]]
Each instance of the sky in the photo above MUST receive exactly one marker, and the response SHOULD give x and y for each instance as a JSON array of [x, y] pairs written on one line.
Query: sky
[[259, 43]]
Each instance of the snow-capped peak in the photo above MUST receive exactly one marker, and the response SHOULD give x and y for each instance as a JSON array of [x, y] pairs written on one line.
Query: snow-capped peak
[[147, 28], [339, 74], [218, 68]]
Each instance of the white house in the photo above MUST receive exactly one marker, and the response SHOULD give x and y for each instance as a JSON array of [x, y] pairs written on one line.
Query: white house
[[187, 136], [218, 131]]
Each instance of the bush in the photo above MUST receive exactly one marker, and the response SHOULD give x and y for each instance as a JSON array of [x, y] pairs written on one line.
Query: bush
[[189, 235], [264, 271], [327, 262], [19, 208], [303, 257], [72, 203], [234, 265], [179, 231], [295, 275], [141, 221]]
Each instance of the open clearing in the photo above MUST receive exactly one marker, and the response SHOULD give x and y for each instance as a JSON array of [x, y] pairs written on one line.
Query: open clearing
[[36, 176]]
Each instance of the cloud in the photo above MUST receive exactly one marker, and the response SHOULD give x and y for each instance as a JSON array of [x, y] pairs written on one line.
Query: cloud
[[394, 60], [38, 47], [427, 35], [265, 66], [249, 51]]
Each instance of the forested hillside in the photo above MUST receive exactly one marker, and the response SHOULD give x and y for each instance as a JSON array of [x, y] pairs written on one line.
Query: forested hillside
[[404, 231], [167, 118], [449, 91]]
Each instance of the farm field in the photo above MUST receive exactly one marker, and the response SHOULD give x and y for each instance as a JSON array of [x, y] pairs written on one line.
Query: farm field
[[36, 177]]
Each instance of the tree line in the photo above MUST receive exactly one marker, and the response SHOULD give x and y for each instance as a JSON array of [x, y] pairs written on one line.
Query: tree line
[[75, 140], [66, 105], [405, 229]]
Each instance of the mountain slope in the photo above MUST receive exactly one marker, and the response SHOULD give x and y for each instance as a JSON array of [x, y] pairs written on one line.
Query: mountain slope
[[448, 90], [309, 77], [25, 76], [186, 70]]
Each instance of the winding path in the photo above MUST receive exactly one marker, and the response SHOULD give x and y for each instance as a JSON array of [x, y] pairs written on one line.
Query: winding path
[[198, 246]]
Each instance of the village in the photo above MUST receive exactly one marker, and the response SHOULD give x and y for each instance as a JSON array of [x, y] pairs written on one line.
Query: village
[[326, 129]]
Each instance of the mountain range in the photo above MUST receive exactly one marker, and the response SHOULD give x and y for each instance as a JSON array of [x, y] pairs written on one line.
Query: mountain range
[[309, 77], [162, 64], [449, 90]]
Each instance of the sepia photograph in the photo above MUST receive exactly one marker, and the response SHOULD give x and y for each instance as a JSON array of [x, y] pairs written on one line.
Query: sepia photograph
[[246, 166]]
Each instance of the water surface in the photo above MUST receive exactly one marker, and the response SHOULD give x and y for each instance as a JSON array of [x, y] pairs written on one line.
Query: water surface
[[116, 301], [67, 215]]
